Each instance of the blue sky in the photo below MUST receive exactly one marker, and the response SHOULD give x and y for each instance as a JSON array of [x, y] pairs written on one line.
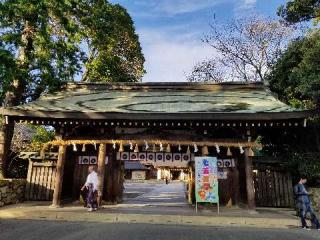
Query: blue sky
[[170, 31]]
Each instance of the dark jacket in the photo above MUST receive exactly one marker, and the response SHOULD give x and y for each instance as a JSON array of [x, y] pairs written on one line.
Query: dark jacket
[[301, 195]]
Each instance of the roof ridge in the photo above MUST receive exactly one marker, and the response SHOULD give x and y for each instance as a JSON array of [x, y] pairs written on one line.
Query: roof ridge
[[168, 83], [160, 85]]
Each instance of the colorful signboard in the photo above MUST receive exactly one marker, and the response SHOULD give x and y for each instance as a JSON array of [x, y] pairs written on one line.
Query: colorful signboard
[[206, 179]]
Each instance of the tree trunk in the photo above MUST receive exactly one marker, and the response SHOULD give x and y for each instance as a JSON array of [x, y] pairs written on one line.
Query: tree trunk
[[15, 95], [85, 75], [6, 134]]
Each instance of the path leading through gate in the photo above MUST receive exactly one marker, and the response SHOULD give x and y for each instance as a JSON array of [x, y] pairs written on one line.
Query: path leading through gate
[[155, 193]]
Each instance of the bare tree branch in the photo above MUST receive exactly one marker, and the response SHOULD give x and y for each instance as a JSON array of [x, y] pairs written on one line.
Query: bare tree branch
[[206, 71], [246, 49]]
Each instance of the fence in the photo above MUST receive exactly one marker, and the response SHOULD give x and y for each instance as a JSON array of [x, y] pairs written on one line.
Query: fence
[[273, 189], [40, 180]]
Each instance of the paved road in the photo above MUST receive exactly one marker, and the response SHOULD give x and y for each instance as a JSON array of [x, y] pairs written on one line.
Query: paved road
[[47, 230]]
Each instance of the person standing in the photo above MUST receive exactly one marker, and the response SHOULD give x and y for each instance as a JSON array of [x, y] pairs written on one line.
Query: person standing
[[304, 204], [167, 180], [91, 185]]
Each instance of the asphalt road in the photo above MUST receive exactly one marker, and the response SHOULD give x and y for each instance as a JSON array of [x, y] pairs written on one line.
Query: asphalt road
[[47, 230]]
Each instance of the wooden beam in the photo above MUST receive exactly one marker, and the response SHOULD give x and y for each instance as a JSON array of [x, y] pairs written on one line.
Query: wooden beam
[[59, 176], [101, 170], [249, 180]]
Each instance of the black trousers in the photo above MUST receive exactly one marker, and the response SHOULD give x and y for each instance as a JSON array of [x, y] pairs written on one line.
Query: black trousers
[[84, 195]]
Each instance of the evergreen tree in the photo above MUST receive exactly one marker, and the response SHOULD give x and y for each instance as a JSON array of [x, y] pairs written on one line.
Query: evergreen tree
[[300, 10], [296, 75], [47, 43]]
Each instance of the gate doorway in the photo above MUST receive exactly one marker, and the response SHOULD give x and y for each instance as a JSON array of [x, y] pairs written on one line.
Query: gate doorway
[[175, 175], [152, 193]]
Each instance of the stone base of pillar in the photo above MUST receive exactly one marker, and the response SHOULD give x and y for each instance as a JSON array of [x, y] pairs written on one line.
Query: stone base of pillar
[[55, 206], [252, 212]]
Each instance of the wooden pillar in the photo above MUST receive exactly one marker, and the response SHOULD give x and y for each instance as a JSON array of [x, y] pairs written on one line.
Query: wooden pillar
[[117, 187], [235, 183], [121, 182], [59, 176], [109, 187], [115, 179], [249, 180], [190, 186], [2, 155], [114, 185], [101, 168]]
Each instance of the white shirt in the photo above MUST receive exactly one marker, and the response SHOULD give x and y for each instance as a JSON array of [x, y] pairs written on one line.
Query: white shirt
[[92, 178]]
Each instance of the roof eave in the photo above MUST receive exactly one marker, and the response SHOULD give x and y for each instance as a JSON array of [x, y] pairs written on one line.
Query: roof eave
[[205, 116]]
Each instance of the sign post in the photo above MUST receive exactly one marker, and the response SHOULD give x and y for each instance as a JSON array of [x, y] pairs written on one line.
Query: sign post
[[206, 187]]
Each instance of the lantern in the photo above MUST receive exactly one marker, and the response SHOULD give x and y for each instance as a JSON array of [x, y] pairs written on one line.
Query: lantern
[[136, 149], [229, 153], [121, 147], [205, 151]]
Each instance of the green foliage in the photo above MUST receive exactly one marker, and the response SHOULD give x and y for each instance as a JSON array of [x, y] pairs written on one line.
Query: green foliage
[[17, 168], [42, 41], [296, 75], [297, 149], [300, 10], [42, 135], [28, 137], [7, 71], [307, 164], [114, 50], [46, 43]]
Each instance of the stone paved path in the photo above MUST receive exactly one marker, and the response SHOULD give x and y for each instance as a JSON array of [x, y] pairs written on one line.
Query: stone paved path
[[155, 194]]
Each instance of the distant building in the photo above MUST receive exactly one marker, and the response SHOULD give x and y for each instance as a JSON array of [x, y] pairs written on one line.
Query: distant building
[[137, 171]]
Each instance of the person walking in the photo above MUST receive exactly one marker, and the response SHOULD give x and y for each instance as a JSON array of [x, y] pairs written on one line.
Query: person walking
[[91, 185], [304, 204]]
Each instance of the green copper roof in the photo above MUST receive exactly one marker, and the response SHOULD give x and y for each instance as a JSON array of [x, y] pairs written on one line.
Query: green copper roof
[[158, 101], [164, 99]]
